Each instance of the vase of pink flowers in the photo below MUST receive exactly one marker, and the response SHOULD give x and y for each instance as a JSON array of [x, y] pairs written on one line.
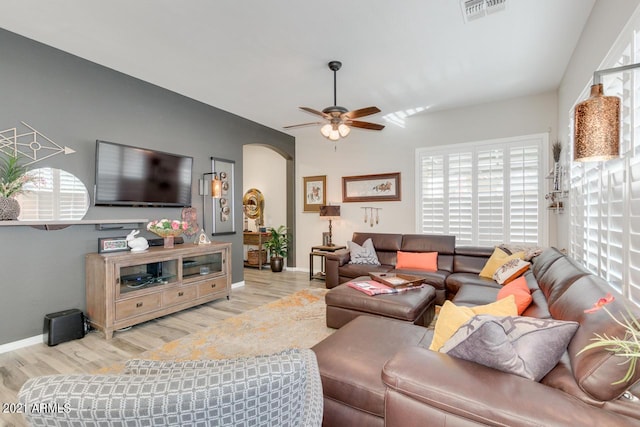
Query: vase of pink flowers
[[168, 229]]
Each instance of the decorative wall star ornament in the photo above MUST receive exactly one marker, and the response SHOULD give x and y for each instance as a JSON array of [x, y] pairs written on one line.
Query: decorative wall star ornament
[[33, 145]]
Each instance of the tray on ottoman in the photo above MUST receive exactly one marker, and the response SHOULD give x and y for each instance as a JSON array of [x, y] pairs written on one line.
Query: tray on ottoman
[[397, 280]]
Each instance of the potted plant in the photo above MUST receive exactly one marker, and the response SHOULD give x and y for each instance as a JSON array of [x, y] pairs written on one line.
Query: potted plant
[[278, 246], [13, 177]]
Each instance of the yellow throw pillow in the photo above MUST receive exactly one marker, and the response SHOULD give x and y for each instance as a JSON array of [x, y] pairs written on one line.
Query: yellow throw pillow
[[497, 259], [451, 317]]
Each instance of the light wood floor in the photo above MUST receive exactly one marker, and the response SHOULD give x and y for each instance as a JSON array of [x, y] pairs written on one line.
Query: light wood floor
[[94, 352]]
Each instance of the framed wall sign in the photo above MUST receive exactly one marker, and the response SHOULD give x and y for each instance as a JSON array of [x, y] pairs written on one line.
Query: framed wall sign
[[112, 244], [315, 192], [371, 188], [224, 207]]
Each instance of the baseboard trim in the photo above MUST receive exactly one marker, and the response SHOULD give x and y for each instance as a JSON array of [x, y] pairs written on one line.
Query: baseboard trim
[[39, 339], [16, 345]]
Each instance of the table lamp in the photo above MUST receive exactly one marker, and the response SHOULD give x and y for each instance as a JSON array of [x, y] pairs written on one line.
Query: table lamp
[[330, 212]]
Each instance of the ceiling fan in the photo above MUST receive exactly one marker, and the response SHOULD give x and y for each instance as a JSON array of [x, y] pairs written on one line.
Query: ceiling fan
[[338, 120]]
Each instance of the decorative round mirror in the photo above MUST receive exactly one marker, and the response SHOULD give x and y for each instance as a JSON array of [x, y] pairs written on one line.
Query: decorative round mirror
[[53, 194], [253, 204]]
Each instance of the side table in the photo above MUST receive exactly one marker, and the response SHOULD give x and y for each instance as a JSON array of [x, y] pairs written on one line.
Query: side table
[[252, 238], [320, 251]]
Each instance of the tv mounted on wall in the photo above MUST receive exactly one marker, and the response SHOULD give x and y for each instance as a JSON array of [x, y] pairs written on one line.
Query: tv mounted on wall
[[132, 176]]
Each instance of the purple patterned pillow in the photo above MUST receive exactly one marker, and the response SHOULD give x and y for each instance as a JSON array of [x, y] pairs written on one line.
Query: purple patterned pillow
[[523, 346]]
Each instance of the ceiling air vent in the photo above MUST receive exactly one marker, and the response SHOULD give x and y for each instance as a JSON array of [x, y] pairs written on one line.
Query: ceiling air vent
[[474, 9]]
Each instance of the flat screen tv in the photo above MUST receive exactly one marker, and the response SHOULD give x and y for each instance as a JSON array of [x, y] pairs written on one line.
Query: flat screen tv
[[132, 176]]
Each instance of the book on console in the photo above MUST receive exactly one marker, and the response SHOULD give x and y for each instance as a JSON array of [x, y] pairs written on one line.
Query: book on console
[[372, 287]]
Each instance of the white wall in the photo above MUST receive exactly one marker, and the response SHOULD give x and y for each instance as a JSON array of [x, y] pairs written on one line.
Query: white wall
[[393, 150], [607, 20], [266, 170]]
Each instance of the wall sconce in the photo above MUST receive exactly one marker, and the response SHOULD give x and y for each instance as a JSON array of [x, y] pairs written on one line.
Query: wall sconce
[[330, 212], [216, 186], [597, 122], [212, 188]]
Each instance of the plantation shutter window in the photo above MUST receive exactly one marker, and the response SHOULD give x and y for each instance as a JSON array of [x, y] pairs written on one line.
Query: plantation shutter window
[[524, 194], [493, 191], [633, 230], [490, 196], [460, 199], [605, 196], [432, 204]]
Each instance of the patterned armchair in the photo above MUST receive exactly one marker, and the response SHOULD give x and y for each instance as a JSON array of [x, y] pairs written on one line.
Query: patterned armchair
[[282, 389]]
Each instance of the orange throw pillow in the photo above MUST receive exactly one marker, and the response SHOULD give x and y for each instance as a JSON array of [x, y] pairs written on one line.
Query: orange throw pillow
[[520, 291], [426, 261]]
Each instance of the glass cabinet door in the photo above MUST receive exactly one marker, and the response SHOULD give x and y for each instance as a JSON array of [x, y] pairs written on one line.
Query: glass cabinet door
[[198, 267], [144, 276]]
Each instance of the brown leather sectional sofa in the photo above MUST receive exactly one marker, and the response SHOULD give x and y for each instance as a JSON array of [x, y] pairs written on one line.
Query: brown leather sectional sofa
[[456, 266], [380, 372]]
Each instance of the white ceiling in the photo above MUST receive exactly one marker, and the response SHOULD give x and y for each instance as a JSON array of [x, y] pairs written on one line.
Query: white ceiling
[[261, 59]]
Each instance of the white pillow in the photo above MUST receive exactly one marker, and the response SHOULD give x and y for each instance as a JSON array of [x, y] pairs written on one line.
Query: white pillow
[[365, 254], [510, 271]]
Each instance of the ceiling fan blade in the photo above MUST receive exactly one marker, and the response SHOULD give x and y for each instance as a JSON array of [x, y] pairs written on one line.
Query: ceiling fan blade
[[316, 112], [361, 112], [302, 124], [364, 125]]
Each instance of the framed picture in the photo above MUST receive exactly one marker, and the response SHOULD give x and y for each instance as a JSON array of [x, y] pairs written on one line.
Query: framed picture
[[371, 188], [315, 192], [224, 207], [112, 244], [325, 238]]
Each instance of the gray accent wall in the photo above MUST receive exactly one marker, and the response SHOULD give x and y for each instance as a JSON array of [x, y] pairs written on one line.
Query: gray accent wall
[[74, 102]]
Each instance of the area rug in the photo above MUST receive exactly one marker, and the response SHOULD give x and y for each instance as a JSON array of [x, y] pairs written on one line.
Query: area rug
[[295, 321]]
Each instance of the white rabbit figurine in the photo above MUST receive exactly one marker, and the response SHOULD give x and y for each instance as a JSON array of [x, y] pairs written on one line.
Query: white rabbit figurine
[[137, 244]]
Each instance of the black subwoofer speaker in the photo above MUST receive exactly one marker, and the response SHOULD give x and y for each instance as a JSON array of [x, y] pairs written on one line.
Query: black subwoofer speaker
[[63, 326]]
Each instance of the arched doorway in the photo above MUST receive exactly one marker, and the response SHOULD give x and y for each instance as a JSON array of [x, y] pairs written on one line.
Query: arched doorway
[[272, 172]]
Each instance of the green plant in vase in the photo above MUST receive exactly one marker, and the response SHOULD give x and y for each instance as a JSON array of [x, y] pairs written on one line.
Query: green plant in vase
[[278, 246], [13, 177]]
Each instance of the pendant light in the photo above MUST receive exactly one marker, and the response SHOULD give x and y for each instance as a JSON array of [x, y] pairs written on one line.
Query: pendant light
[[597, 122]]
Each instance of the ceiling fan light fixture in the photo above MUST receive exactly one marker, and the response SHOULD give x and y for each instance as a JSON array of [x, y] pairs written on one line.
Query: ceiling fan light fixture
[[344, 130], [326, 130], [339, 120]]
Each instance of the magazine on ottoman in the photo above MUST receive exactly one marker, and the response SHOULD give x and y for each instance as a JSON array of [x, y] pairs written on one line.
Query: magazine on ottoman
[[372, 287]]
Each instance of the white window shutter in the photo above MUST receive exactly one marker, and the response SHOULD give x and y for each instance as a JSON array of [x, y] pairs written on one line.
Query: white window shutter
[[432, 194], [490, 196], [634, 230], [524, 201], [460, 196], [484, 193]]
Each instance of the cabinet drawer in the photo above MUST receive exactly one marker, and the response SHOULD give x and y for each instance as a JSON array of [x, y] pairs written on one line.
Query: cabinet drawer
[[212, 287], [179, 295], [137, 306]]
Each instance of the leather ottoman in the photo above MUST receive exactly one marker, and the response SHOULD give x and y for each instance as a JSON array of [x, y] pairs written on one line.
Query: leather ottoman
[[345, 304]]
